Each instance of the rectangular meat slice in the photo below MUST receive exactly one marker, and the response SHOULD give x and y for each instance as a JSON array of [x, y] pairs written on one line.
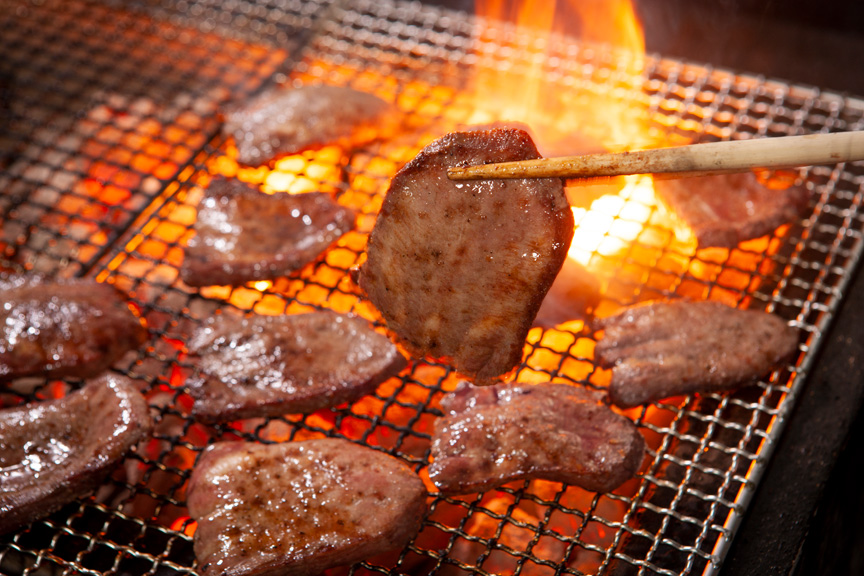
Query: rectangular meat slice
[[459, 269], [275, 365], [75, 328], [243, 235], [670, 348], [492, 435], [727, 209], [299, 508]]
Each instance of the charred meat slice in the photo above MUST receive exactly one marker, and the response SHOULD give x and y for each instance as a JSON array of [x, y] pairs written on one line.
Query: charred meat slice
[[274, 365], [662, 349], [299, 508], [75, 328], [57, 451], [728, 209], [495, 434], [243, 235], [459, 269], [286, 120]]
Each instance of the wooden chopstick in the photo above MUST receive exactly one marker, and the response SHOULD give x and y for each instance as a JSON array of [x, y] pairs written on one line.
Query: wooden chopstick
[[692, 160]]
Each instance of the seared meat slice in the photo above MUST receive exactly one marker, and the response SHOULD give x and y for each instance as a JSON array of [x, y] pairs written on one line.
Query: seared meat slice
[[243, 235], [495, 434], [459, 269], [56, 451], [62, 328], [727, 209], [299, 508], [663, 349], [274, 365], [286, 120], [573, 295]]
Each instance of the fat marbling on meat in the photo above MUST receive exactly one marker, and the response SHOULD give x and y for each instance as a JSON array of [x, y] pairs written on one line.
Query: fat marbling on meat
[[299, 508], [275, 365], [56, 451], [243, 235], [495, 434], [459, 269], [59, 328], [669, 348]]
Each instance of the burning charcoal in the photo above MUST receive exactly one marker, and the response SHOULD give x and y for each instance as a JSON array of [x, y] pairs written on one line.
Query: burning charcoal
[[492, 435], [662, 349], [728, 209], [56, 451], [273, 365], [299, 508], [459, 269], [243, 235], [285, 120], [62, 328]]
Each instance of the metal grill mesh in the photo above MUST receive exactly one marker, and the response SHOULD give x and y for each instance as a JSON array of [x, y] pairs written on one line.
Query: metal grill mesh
[[112, 136]]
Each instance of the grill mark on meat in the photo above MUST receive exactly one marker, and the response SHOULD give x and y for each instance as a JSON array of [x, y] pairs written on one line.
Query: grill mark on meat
[[727, 209], [57, 451], [274, 365], [493, 435], [299, 508], [75, 328], [459, 269], [284, 120], [662, 349], [242, 235]]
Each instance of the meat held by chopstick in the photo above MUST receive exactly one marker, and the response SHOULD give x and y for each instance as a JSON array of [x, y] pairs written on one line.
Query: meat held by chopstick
[[669, 348], [299, 508], [496, 434], [75, 328], [459, 269], [285, 120], [57, 451], [243, 235], [274, 365]]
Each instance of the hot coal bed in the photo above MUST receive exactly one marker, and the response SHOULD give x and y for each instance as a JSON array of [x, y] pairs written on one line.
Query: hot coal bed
[[110, 116]]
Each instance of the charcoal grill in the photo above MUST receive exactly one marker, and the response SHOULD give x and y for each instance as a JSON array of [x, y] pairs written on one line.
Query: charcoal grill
[[112, 134]]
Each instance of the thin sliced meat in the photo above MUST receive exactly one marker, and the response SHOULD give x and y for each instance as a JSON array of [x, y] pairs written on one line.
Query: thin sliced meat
[[275, 365], [56, 451], [669, 348], [459, 269], [75, 328], [496, 434], [728, 209], [243, 235], [285, 120], [299, 508]]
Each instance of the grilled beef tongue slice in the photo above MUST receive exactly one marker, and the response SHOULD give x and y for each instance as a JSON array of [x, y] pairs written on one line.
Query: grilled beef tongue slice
[[56, 451], [669, 348], [275, 365], [492, 435], [459, 269], [59, 328], [299, 508], [243, 235]]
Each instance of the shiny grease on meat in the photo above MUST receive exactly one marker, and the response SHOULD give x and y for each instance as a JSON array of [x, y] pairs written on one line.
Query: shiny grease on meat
[[285, 120], [459, 269], [299, 508], [492, 435], [56, 451], [75, 327], [669, 348], [243, 235], [274, 365]]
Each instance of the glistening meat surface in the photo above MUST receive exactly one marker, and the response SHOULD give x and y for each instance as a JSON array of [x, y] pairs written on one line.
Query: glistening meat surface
[[669, 348], [491, 435], [459, 269], [299, 508]]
